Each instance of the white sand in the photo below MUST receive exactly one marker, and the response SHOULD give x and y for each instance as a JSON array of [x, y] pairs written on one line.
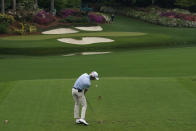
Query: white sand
[[87, 53], [69, 55], [60, 31], [91, 28], [94, 53], [85, 40]]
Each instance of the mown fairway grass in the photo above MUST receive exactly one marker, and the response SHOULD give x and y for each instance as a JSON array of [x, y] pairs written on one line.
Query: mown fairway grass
[[167, 62], [145, 89], [128, 34], [126, 104], [140, 90]]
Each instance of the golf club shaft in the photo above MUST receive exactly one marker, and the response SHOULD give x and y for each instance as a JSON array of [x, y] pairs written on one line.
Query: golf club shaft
[[89, 105]]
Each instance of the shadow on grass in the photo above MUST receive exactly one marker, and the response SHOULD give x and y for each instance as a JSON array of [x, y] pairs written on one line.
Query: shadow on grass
[[42, 51]]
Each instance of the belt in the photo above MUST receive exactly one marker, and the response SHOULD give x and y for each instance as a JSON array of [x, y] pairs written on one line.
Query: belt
[[79, 90]]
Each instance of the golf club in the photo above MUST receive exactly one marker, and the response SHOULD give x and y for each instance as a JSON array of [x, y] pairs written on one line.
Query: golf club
[[89, 105]]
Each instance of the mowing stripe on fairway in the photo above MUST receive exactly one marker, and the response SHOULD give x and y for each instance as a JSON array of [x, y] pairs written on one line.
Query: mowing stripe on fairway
[[125, 104], [44, 37], [110, 78]]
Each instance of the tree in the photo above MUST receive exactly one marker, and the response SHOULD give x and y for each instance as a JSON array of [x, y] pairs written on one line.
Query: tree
[[2, 7], [185, 3], [153, 1], [35, 4], [51, 6], [14, 5]]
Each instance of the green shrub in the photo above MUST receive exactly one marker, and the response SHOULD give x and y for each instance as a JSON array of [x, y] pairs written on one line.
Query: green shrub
[[29, 28], [23, 28], [32, 29], [74, 19], [3, 28], [6, 19], [19, 31], [84, 19]]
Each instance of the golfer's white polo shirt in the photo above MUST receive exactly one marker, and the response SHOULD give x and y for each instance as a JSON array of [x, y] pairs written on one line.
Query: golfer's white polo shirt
[[83, 82]]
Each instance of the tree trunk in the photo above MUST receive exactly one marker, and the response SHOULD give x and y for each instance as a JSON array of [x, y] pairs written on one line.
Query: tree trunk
[[14, 5], [35, 4], [2, 7], [153, 2], [51, 6]]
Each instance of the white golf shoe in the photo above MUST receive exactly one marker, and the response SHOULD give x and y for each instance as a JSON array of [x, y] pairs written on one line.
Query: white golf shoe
[[83, 122], [78, 121]]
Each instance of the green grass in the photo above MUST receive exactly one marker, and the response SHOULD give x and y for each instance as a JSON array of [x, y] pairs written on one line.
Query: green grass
[[142, 87], [128, 34], [126, 104], [170, 62], [98, 34]]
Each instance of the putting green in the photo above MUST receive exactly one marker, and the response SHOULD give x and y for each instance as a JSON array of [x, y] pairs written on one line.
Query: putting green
[[125, 104]]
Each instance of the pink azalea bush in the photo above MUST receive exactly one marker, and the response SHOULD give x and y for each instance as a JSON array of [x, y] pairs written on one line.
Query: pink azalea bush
[[44, 18], [97, 18], [70, 12], [156, 15], [92, 17], [187, 17]]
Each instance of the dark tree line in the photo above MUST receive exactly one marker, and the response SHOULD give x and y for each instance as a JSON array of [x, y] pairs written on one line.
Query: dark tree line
[[49, 5], [186, 4], [59, 4]]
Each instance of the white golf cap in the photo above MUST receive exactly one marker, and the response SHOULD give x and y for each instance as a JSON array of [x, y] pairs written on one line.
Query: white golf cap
[[95, 75]]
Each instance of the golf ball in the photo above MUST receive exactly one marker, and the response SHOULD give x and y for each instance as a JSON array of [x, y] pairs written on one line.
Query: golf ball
[[96, 85]]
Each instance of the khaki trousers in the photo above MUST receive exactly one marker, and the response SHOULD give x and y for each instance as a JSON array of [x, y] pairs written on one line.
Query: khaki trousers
[[79, 98]]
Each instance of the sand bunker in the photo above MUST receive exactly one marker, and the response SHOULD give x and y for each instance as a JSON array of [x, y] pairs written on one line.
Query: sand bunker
[[94, 53], [91, 28], [60, 31], [87, 53], [85, 40], [69, 55]]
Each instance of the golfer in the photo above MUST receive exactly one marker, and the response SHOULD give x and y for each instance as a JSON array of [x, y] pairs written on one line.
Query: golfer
[[112, 17], [78, 92]]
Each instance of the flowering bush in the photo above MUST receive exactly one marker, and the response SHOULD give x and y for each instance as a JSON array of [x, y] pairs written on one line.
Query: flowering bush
[[106, 17], [169, 14], [70, 12], [23, 28], [6, 18], [96, 17], [181, 11], [157, 16], [44, 18], [187, 17]]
